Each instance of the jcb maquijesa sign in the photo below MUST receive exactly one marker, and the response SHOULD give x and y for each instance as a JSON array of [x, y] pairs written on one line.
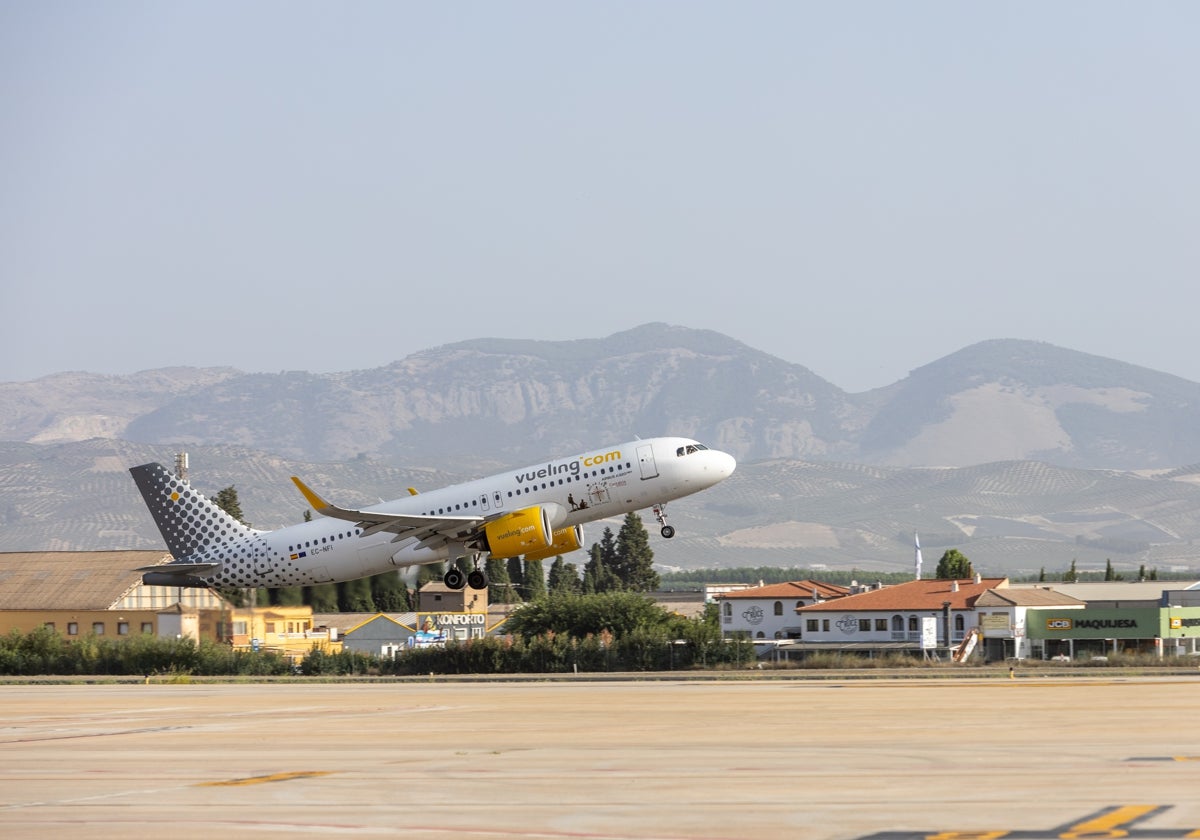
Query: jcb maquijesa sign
[[1061, 624]]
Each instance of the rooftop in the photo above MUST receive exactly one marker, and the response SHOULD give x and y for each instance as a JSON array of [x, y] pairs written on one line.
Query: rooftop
[[79, 580], [1027, 598], [915, 595], [790, 590]]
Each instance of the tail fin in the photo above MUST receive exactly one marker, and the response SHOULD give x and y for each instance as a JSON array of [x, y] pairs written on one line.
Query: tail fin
[[188, 522]]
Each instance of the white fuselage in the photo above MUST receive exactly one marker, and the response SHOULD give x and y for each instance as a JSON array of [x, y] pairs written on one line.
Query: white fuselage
[[583, 488]]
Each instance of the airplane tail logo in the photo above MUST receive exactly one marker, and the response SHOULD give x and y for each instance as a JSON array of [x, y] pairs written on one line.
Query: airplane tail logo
[[189, 523]]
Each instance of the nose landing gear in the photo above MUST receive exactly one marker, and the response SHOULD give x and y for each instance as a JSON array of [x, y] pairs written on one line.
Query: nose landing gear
[[660, 513]]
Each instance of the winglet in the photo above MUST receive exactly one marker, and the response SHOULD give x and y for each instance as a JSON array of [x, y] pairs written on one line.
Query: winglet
[[412, 491], [318, 504]]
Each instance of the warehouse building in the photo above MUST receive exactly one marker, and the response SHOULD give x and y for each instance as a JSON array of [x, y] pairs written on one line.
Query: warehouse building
[[101, 593]]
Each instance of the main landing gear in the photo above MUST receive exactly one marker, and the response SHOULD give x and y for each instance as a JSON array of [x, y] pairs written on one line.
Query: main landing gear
[[456, 579], [660, 513]]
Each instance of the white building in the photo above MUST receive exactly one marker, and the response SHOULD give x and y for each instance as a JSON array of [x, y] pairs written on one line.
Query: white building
[[895, 617], [768, 613]]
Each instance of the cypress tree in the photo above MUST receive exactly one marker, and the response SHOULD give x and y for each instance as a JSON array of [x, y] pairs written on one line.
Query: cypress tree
[[389, 593], [428, 572], [500, 588], [953, 566], [563, 578], [634, 565], [355, 596], [598, 574], [535, 580], [323, 598], [227, 500], [516, 574]]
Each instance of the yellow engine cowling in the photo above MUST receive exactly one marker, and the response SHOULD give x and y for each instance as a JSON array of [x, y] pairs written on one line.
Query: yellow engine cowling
[[519, 532], [564, 540]]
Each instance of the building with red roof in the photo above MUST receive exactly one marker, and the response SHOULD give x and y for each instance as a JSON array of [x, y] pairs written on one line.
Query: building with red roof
[[913, 616], [769, 612]]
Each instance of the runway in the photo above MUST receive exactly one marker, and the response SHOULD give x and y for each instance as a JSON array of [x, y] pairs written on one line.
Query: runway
[[740, 758]]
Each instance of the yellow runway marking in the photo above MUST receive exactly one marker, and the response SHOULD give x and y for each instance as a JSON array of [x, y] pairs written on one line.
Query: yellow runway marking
[[1109, 824], [1115, 822], [258, 780]]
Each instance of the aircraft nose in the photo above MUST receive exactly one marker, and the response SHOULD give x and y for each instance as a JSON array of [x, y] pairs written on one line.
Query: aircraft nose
[[726, 464], [719, 465]]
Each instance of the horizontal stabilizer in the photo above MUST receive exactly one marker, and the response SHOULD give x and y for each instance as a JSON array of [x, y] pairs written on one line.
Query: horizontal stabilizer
[[180, 568], [185, 581]]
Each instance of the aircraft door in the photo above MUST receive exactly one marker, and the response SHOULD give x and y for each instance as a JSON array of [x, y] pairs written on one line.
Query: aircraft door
[[497, 500], [645, 454], [483, 502], [262, 562]]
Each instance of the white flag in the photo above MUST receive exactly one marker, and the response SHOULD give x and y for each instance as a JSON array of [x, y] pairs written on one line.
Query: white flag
[[917, 543]]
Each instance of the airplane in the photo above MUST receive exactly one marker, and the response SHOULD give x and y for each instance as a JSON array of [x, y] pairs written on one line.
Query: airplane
[[535, 512]]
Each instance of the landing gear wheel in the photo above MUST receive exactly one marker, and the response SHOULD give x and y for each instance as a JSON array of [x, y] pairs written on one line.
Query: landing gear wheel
[[477, 579], [660, 513], [454, 578]]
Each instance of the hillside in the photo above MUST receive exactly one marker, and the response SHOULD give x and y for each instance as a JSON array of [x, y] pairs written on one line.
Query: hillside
[[1008, 517], [1022, 454], [498, 402]]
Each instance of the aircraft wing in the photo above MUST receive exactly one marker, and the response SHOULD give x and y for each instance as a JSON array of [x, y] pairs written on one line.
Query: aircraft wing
[[404, 526]]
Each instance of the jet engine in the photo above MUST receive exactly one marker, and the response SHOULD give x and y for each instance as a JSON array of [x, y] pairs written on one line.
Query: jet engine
[[563, 541], [519, 532]]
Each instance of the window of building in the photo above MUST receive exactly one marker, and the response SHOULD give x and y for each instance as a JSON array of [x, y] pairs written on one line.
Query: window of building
[[779, 608], [98, 628], [864, 625], [239, 628], [913, 627], [122, 628], [898, 624], [881, 625], [728, 610], [147, 627], [270, 628], [959, 623], [825, 625], [811, 625], [49, 625], [72, 628]]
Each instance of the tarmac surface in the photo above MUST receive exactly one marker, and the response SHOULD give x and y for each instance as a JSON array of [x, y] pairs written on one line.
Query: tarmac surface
[[738, 758]]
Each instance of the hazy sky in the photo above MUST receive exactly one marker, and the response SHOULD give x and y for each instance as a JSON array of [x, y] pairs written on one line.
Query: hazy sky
[[860, 188]]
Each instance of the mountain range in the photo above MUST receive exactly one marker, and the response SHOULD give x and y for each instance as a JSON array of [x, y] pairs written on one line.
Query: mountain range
[[1022, 454]]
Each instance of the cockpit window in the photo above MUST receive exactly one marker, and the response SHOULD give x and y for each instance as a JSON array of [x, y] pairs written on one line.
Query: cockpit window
[[690, 449]]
